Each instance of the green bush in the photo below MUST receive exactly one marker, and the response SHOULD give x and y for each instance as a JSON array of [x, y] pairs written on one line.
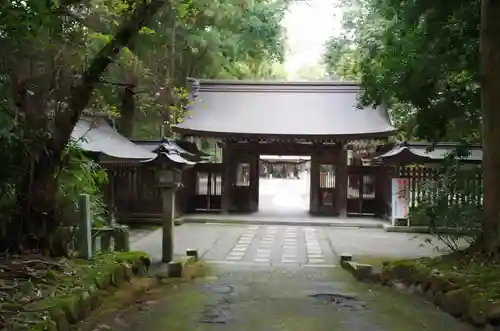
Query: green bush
[[451, 205]]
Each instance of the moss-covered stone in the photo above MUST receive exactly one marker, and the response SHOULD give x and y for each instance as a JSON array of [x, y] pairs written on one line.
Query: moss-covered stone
[[46, 325], [493, 314], [455, 302], [437, 298], [103, 280], [464, 286], [70, 306], [476, 313], [85, 305], [81, 291], [118, 275], [59, 318]]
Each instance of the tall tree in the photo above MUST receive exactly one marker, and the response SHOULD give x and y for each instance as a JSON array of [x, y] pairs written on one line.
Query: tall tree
[[421, 58], [49, 93], [490, 103], [438, 62]]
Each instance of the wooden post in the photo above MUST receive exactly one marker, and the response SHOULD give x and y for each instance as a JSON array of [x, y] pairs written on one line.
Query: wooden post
[[254, 182], [342, 181], [227, 179], [314, 183], [112, 198], [84, 237], [168, 216]]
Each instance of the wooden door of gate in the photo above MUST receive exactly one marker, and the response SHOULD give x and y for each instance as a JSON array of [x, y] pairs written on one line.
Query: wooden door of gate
[[323, 195], [208, 189], [361, 191], [245, 191]]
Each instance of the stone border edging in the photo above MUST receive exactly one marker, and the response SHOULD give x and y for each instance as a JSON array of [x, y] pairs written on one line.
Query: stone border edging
[[78, 305], [432, 286], [423, 229]]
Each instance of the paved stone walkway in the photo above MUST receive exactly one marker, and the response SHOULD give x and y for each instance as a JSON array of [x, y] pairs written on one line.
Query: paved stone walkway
[[264, 298], [283, 278], [280, 245]]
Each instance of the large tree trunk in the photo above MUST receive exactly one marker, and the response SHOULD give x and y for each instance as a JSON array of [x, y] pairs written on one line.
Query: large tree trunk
[[37, 195], [490, 98], [127, 112], [34, 225]]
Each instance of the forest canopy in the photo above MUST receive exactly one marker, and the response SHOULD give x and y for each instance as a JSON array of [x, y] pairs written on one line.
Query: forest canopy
[[124, 58]]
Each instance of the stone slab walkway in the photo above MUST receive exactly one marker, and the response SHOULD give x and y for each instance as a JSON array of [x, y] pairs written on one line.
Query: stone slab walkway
[[243, 298]]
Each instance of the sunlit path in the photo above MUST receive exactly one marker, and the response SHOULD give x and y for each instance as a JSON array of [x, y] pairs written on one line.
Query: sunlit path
[[284, 195]]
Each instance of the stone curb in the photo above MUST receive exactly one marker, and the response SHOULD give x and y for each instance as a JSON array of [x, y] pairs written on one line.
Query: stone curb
[[79, 304], [421, 229], [360, 271], [184, 268], [432, 287], [364, 225]]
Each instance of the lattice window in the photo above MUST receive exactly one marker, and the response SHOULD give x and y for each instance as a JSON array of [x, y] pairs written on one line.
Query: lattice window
[[243, 174], [202, 183], [368, 187], [327, 176]]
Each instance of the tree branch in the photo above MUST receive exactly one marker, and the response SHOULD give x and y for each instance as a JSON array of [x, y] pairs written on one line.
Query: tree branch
[[90, 22], [82, 93]]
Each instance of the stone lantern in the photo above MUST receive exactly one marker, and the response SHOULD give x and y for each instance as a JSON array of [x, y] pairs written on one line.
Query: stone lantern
[[168, 180]]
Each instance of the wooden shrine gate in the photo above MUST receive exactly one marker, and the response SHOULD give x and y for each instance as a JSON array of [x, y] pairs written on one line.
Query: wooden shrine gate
[[208, 188], [362, 190]]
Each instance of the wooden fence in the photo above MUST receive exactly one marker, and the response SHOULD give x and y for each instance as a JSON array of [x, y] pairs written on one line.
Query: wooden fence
[[431, 184]]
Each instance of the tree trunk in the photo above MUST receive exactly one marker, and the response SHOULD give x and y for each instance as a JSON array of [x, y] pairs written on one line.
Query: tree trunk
[[37, 196], [34, 220], [127, 112], [490, 104]]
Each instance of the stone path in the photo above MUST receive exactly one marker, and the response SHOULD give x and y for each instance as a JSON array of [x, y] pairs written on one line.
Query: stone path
[[284, 245], [280, 278], [277, 245], [239, 297]]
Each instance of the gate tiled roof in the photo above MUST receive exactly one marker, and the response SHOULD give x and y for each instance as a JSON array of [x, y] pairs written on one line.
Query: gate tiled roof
[[325, 110]]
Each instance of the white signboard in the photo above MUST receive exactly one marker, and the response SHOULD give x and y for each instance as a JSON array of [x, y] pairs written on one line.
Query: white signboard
[[400, 198]]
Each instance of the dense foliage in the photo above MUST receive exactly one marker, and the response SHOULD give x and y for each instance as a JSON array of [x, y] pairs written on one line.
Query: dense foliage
[[131, 59], [424, 61], [421, 58]]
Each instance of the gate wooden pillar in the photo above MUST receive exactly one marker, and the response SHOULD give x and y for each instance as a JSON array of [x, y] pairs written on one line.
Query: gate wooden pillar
[[254, 182], [341, 185], [314, 184], [228, 176]]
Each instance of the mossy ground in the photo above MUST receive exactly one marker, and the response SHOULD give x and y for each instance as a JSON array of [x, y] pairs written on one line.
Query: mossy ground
[[474, 273], [37, 289], [251, 298], [141, 295]]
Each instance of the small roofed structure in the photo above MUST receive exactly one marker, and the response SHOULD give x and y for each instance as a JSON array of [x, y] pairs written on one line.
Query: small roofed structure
[[172, 150], [420, 153], [96, 136], [132, 189], [192, 148]]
